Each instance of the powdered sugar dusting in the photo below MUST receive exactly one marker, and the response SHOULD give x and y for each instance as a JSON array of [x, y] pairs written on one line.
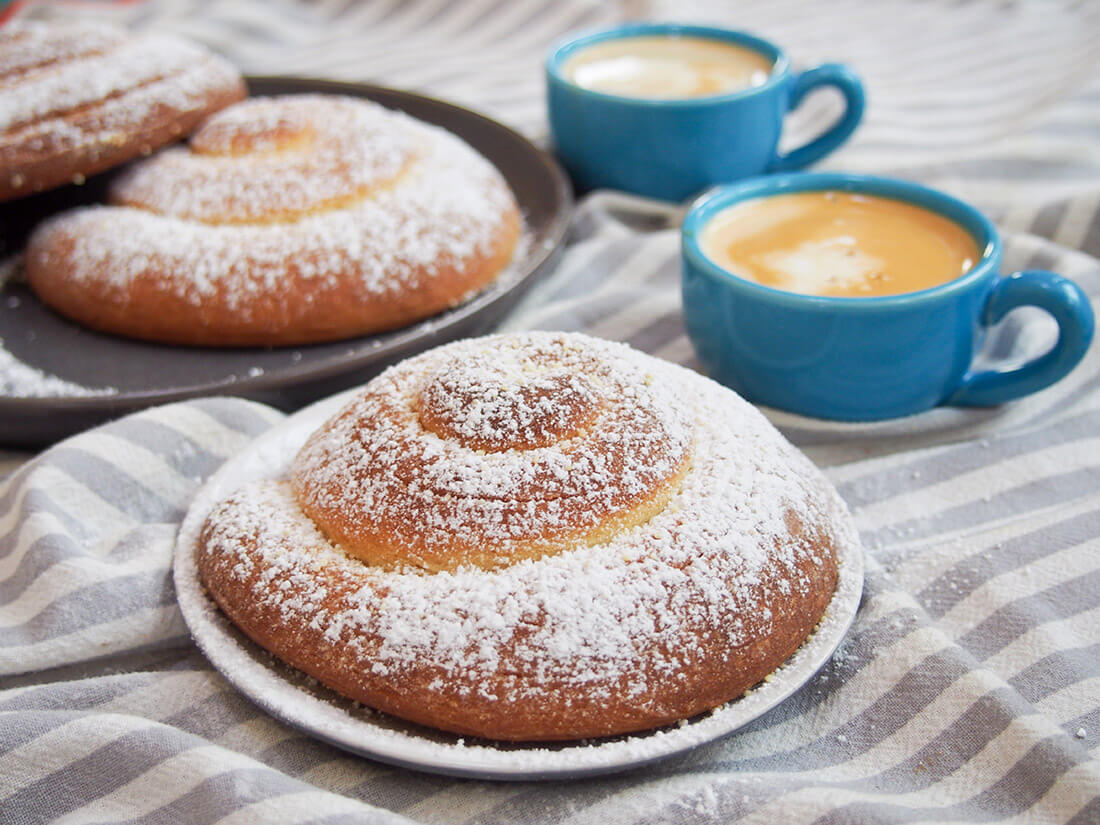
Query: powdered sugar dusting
[[446, 207], [55, 89], [272, 159], [76, 97], [26, 45], [516, 397], [575, 438], [300, 702], [115, 120], [599, 617], [20, 380]]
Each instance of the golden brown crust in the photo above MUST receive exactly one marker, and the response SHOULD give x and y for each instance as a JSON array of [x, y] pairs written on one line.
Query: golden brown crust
[[302, 311], [663, 620], [68, 116], [709, 674], [287, 221]]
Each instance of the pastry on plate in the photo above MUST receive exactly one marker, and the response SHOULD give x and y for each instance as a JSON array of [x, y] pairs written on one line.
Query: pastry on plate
[[79, 98], [284, 220], [533, 537]]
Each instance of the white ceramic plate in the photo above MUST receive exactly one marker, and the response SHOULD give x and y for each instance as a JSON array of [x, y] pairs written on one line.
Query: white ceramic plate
[[301, 702]]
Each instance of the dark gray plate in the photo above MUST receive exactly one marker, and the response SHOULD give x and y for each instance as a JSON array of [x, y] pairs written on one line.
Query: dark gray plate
[[148, 374]]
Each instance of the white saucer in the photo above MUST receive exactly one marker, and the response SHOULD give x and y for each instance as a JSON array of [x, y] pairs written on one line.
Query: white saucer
[[302, 703]]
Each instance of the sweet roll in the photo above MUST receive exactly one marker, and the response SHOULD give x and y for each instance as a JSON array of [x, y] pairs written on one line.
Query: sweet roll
[[78, 98], [285, 220], [539, 536]]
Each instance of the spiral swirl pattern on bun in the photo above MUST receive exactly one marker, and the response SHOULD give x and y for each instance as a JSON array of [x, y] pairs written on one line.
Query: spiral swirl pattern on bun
[[78, 98], [285, 220], [534, 537], [493, 456]]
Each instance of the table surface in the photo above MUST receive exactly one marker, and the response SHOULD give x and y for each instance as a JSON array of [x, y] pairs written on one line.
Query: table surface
[[967, 688]]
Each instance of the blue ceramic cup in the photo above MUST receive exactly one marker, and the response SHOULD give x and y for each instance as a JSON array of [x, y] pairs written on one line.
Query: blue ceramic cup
[[675, 148], [861, 359]]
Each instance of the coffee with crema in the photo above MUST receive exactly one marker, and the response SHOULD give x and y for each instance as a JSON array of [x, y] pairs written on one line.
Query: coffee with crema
[[838, 244], [667, 67]]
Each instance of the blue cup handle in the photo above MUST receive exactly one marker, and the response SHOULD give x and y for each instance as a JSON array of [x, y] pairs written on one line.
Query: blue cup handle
[[848, 82], [1070, 307]]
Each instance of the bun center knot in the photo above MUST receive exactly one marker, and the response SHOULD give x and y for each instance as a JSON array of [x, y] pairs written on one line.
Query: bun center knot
[[518, 399], [496, 450], [274, 160], [268, 130]]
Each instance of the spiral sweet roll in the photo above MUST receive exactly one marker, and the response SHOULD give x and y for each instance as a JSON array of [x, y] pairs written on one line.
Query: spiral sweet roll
[[78, 98], [534, 537], [284, 220]]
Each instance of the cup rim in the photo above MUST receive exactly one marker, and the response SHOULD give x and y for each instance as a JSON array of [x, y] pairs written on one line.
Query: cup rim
[[565, 47], [706, 205]]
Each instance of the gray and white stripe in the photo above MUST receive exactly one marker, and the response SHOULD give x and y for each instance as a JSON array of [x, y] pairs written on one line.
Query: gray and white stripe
[[974, 662]]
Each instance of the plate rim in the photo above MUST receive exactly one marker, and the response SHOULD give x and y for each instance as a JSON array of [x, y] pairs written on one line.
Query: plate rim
[[225, 648], [539, 257]]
